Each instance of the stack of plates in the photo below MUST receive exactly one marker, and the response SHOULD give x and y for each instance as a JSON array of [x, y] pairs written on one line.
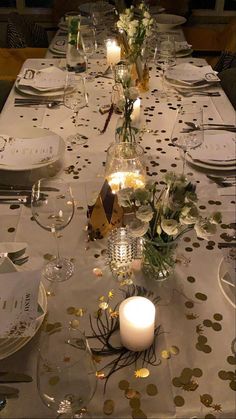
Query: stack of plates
[[188, 76], [59, 47]]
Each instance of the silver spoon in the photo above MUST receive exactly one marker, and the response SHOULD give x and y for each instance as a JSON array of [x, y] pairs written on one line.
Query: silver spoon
[[49, 105]]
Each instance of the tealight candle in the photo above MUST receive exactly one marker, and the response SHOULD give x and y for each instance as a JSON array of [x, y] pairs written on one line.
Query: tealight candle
[[135, 116], [137, 319], [113, 53]]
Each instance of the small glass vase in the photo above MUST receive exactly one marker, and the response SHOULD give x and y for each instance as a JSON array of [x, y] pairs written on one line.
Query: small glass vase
[[76, 60], [139, 71], [158, 260], [126, 131], [125, 166]]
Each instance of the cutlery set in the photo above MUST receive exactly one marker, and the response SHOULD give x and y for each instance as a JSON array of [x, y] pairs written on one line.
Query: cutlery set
[[197, 93], [38, 101], [219, 127]]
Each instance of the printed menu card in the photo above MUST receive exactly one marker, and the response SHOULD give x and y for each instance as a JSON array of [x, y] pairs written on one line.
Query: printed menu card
[[19, 303]]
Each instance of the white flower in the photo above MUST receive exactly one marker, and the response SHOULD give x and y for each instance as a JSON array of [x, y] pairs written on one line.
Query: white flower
[[146, 22], [138, 228], [189, 215], [170, 226], [132, 93], [205, 229], [124, 197], [145, 213], [215, 218], [147, 14]]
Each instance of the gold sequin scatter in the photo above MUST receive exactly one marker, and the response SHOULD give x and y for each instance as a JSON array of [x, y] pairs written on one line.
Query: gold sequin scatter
[[165, 354], [232, 385], [191, 279], [151, 390], [179, 401], [48, 256], [97, 272], [218, 317], [186, 375], [128, 281], [123, 385], [103, 305], [103, 252], [201, 296], [210, 416], [207, 323], [114, 314], [231, 360], [75, 324], [79, 312], [216, 326], [229, 375], [54, 380], [70, 310], [108, 407], [189, 304], [138, 414], [135, 403], [197, 372], [176, 382], [201, 345], [174, 350], [100, 375], [206, 399], [142, 373], [130, 393]]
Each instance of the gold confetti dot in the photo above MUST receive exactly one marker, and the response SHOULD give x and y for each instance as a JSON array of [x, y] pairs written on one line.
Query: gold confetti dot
[[231, 360], [207, 349], [232, 385], [103, 252], [138, 414], [206, 399], [123, 385], [165, 354], [134, 403], [174, 350], [186, 375], [218, 317], [75, 324], [97, 272], [223, 375], [191, 279], [108, 407], [202, 339], [207, 323], [179, 401], [176, 382], [54, 380], [216, 326], [130, 393], [142, 373], [103, 305], [210, 416], [70, 310], [201, 296], [189, 304], [197, 372], [151, 390]]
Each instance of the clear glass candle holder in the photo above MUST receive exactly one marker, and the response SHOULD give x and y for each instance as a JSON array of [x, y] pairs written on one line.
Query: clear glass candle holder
[[121, 251]]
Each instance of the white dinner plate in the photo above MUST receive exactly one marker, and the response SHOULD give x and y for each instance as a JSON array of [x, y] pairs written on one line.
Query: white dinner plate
[[177, 83], [211, 165], [184, 52], [100, 6], [167, 21], [228, 290], [9, 346], [33, 92], [30, 133]]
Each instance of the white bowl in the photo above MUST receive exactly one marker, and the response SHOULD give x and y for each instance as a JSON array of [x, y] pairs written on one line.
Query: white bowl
[[166, 21]]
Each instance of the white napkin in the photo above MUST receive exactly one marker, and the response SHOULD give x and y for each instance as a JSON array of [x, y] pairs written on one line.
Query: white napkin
[[20, 151], [218, 149], [190, 74], [50, 78], [19, 303], [6, 265]]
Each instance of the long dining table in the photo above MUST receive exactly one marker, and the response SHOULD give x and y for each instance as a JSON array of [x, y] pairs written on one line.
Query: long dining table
[[196, 347]]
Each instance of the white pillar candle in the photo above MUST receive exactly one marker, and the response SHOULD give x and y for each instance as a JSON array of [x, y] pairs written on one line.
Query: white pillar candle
[[137, 320], [113, 53], [135, 116]]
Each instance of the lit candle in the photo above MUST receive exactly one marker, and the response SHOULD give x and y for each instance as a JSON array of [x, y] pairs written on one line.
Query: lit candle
[[113, 53], [135, 116], [121, 180], [137, 319]]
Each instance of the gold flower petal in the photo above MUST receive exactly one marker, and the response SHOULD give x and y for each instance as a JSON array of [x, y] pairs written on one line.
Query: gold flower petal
[[100, 375], [142, 373], [103, 305]]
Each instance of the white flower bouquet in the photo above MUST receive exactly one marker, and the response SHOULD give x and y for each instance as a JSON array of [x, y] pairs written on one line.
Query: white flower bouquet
[[161, 218]]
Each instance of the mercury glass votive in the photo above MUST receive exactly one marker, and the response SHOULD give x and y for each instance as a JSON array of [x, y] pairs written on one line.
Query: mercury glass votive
[[121, 251]]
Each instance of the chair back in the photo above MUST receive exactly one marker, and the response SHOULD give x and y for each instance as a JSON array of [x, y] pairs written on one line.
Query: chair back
[[22, 33]]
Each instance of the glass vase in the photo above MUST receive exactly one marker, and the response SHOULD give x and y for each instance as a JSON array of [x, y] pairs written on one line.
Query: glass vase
[[126, 131], [125, 166], [75, 54], [158, 259]]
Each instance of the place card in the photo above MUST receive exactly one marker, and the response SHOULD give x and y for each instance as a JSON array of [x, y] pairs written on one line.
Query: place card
[[50, 78], [19, 303], [19, 151]]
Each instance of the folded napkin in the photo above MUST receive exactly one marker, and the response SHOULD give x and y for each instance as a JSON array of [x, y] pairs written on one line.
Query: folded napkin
[[19, 303], [6, 265], [33, 151], [217, 149], [230, 265], [191, 74], [48, 79]]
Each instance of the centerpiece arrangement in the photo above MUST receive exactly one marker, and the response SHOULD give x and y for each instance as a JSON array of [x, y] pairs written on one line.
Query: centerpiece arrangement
[[135, 32], [162, 217]]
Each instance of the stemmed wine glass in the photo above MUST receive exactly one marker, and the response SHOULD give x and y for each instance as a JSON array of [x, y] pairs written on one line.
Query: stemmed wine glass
[[90, 46], [52, 206], [75, 98], [164, 56], [184, 135], [66, 373]]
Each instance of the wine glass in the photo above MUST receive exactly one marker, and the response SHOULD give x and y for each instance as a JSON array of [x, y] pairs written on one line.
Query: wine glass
[[164, 56], [52, 206], [184, 135], [66, 373], [90, 46], [75, 98]]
